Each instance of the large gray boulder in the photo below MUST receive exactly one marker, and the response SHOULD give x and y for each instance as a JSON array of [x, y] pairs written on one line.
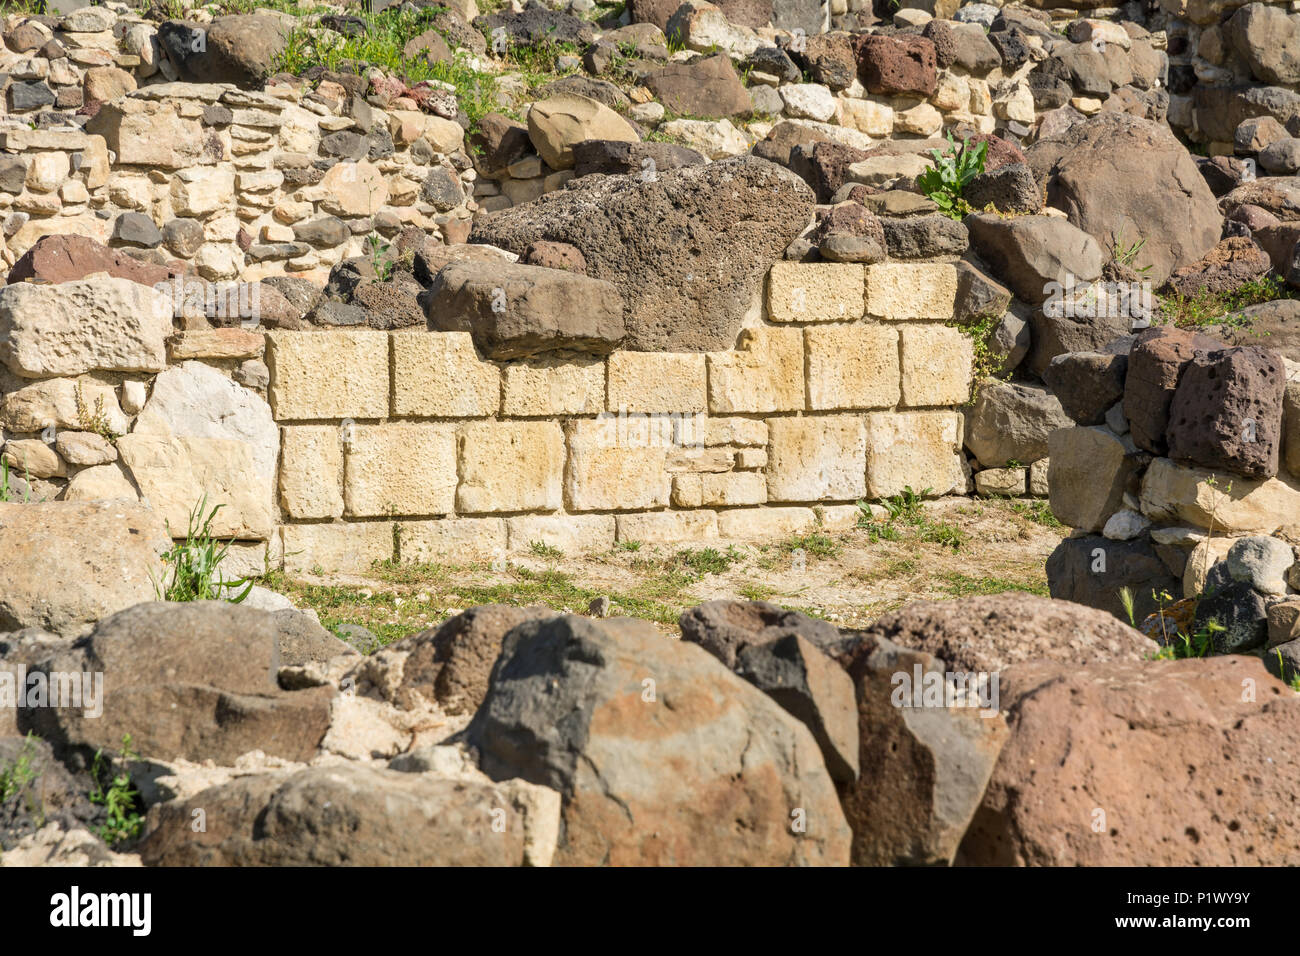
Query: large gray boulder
[[514, 311], [1090, 471], [1122, 179], [1011, 421], [194, 681], [661, 755], [1093, 570], [350, 815], [725, 628], [687, 250], [784, 654], [924, 762], [1037, 256], [239, 48], [1268, 39], [992, 632], [813, 689]]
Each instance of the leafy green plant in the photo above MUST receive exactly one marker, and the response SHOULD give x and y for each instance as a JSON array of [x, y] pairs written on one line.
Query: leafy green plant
[[115, 794], [380, 260], [1038, 511], [16, 776], [986, 361], [941, 532], [952, 171], [544, 550], [383, 45], [907, 509], [192, 564], [6, 490], [907, 505]]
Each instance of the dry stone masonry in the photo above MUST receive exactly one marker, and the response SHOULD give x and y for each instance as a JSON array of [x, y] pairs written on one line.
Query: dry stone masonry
[[571, 277]]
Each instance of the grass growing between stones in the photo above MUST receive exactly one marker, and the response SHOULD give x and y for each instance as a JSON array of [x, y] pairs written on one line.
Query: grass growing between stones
[[848, 578], [1223, 308], [964, 585], [193, 565], [382, 46]]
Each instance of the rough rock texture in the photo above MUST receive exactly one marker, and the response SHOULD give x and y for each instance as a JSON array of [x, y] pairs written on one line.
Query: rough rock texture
[[1268, 40], [53, 845], [351, 815], [238, 49], [1059, 327], [452, 662], [1029, 253], [1178, 758], [195, 399], [688, 251], [979, 295], [903, 64], [824, 166], [554, 255], [990, 633], [1092, 570], [662, 755], [708, 87], [783, 653], [1239, 611], [1181, 495], [514, 311], [1010, 188], [536, 24], [1011, 421], [194, 681], [813, 689], [69, 564], [1087, 384], [557, 124], [1273, 325], [1261, 562], [1227, 266], [616, 157], [45, 792], [725, 628], [1090, 471], [923, 768], [1227, 411], [66, 258], [1155, 364], [1121, 178], [93, 323]]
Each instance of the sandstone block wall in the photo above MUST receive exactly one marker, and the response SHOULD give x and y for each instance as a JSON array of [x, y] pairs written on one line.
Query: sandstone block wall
[[846, 385]]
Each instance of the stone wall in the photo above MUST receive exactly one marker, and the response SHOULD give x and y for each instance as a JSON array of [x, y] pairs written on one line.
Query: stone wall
[[337, 447], [222, 182], [844, 386], [1025, 74]]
